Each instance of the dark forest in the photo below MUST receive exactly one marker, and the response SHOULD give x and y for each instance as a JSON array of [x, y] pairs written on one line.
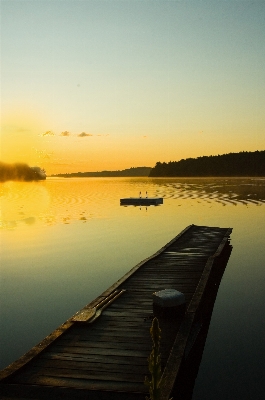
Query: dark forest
[[232, 164]]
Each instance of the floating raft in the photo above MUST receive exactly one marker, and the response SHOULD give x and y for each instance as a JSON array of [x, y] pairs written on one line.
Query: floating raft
[[141, 201], [93, 356]]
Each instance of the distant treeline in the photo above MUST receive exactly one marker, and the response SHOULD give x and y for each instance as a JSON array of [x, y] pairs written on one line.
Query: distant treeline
[[137, 171], [16, 172], [232, 164]]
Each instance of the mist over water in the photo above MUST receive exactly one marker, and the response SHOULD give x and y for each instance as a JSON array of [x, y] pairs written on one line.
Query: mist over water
[[64, 241]]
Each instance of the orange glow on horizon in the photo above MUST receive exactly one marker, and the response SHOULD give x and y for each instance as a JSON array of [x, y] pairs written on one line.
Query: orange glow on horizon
[[26, 138]]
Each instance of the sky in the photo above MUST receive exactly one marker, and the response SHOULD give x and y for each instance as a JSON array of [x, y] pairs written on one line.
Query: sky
[[92, 85]]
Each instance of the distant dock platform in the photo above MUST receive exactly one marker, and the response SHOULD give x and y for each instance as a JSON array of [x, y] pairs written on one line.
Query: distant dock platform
[[141, 201], [101, 352]]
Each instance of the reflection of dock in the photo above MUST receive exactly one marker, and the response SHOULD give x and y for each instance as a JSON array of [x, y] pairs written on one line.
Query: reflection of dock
[[141, 201], [107, 359]]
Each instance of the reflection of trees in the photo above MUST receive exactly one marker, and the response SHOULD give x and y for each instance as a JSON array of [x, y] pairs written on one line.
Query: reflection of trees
[[232, 164], [229, 190]]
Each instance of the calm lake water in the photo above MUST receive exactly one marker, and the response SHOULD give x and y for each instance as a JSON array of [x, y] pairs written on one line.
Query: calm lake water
[[64, 241]]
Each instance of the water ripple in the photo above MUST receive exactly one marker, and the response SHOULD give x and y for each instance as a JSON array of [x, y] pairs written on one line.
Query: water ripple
[[67, 200]]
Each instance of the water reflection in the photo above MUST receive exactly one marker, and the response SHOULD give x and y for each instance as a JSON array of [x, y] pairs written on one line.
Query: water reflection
[[223, 190], [67, 200], [71, 240]]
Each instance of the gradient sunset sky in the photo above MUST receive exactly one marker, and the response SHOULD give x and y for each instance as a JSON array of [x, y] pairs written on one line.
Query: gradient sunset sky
[[113, 84]]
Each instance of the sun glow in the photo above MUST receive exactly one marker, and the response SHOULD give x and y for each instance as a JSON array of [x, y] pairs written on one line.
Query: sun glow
[[20, 137], [175, 81]]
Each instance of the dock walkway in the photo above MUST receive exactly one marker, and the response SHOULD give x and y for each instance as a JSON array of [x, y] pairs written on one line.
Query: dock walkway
[[107, 359]]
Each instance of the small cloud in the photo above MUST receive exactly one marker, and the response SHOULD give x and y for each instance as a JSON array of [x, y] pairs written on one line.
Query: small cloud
[[65, 133], [84, 134], [48, 133], [145, 136]]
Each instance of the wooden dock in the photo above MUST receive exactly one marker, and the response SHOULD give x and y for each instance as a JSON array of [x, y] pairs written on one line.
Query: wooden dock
[[107, 359]]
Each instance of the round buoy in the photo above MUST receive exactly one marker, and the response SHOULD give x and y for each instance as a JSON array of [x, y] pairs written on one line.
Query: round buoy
[[168, 303]]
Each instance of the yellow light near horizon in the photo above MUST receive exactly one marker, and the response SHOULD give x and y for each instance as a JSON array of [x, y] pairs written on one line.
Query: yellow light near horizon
[[20, 137]]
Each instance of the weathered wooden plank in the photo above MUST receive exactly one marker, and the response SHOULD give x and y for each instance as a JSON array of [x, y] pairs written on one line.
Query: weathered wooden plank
[[96, 336], [91, 365], [95, 358], [99, 332], [160, 279], [105, 344], [107, 351], [169, 269], [121, 323], [139, 322], [191, 278], [65, 373], [89, 384]]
